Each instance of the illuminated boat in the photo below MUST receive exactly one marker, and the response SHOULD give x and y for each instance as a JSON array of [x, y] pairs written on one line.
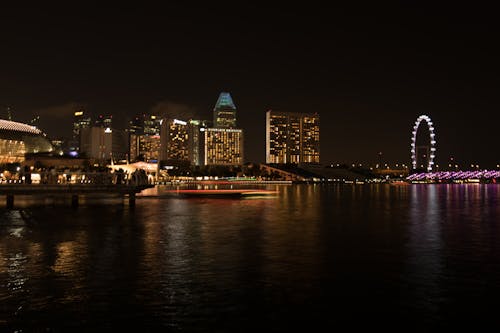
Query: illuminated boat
[[216, 193]]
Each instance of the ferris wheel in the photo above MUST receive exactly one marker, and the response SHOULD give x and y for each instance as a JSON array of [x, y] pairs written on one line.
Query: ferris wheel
[[432, 139]]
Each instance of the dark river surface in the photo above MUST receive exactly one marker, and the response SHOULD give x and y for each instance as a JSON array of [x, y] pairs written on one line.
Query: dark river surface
[[399, 258]]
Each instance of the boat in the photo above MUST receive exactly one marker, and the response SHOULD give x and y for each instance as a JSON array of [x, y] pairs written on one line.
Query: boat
[[216, 193]]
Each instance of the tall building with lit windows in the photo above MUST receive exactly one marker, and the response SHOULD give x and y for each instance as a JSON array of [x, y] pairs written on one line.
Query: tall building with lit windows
[[292, 137], [225, 112], [104, 121], [223, 146], [145, 124], [174, 134], [144, 138], [144, 147], [99, 143], [81, 120], [194, 142]]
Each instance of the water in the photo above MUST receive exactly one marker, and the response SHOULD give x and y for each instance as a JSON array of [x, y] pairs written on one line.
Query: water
[[406, 258]]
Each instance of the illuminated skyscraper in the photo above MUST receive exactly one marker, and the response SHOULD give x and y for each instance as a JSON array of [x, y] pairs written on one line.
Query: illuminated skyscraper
[[195, 141], [104, 121], [144, 138], [225, 112], [292, 137], [145, 124], [152, 125], [80, 121], [174, 140], [144, 147], [101, 143], [223, 146], [95, 143]]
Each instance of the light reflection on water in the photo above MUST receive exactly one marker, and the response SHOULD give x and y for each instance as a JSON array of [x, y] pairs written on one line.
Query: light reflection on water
[[312, 255]]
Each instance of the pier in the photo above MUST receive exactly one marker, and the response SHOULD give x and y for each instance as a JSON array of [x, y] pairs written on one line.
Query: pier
[[75, 185]]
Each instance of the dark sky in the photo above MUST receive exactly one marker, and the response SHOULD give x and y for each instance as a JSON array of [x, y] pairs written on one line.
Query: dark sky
[[368, 71]]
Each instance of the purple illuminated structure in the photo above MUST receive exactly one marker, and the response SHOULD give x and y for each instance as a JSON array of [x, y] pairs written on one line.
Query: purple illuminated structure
[[449, 176]]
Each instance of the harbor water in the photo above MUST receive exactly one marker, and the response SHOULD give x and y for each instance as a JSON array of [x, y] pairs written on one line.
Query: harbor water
[[401, 258]]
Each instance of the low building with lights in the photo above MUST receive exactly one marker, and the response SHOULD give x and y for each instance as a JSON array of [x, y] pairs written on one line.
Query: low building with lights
[[18, 139]]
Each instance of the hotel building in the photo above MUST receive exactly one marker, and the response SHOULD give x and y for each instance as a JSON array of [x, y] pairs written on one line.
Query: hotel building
[[223, 144], [175, 145], [144, 147], [292, 137]]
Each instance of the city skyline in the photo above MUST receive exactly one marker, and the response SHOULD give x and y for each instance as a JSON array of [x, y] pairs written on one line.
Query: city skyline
[[368, 73]]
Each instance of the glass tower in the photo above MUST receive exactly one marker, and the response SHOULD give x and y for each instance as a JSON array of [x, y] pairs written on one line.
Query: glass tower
[[225, 112]]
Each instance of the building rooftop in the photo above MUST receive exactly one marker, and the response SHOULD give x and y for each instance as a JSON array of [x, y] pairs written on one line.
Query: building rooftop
[[225, 101], [18, 127]]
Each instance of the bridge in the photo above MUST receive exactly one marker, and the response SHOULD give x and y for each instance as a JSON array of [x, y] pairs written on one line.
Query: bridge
[[74, 185], [492, 176]]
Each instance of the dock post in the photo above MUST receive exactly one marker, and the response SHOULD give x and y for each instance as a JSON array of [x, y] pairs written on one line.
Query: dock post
[[131, 200], [10, 201], [74, 200]]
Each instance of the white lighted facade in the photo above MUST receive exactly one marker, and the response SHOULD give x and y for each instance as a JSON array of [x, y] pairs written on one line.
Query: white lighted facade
[[292, 137], [222, 146], [18, 139]]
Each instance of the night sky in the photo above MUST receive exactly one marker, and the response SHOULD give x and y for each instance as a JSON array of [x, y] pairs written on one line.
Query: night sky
[[368, 71]]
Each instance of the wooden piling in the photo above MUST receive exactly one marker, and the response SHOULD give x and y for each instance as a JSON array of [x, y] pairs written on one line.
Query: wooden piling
[[74, 200], [10, 201], [131, 200]]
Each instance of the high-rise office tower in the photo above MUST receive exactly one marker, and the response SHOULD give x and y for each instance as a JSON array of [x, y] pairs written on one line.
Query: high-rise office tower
[[144, 138], [152, 125], [292, 137], [222, 144], [104, 121], [174, 134], [80, 120], [194, 141], [145, 124], [225, 112], [95, 143], [101, 143]]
